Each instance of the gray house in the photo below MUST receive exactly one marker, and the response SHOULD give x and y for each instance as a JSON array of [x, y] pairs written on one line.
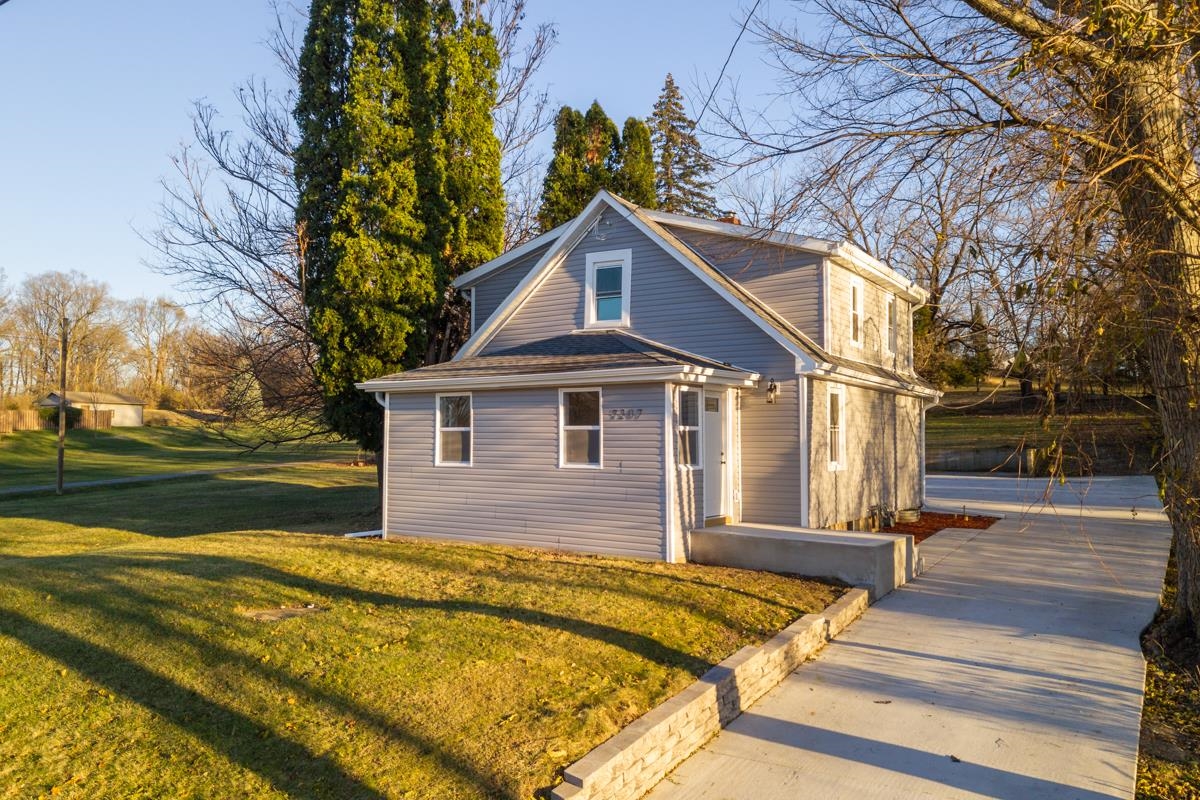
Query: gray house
[[634, 376]]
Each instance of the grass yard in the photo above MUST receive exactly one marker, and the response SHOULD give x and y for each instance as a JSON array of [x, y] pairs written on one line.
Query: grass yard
[[133, 664], [28, 458]]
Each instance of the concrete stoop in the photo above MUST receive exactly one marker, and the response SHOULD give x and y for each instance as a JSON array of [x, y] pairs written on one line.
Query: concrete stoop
[[631, 763], [878, 562]]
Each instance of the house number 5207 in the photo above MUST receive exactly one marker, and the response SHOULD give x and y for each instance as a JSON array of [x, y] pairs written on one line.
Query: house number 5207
[[624, 413]]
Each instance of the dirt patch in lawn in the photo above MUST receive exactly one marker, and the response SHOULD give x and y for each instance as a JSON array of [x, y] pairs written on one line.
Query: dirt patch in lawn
[[931, 522]]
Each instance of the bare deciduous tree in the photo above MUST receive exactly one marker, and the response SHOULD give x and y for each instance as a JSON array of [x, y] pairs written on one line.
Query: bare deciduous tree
[[1102, 95]]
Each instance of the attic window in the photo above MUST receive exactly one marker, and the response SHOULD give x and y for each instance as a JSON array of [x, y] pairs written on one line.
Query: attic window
[[607, 300]]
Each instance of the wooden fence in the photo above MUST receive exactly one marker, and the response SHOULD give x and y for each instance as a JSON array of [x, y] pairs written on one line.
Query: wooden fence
[[30, 420]]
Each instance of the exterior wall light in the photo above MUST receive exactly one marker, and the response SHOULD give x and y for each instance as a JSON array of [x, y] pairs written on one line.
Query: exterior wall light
[[772, 391]]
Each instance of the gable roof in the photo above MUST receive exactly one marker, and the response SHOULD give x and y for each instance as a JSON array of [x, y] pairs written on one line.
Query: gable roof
[[599, 356], [92, 398], [810, 356], [844, 252], [757, 312]]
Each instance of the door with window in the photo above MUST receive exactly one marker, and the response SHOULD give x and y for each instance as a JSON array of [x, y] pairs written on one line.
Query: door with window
[[716, 455]]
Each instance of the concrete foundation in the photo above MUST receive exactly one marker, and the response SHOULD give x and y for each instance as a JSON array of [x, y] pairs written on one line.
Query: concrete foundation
[[878, 562]]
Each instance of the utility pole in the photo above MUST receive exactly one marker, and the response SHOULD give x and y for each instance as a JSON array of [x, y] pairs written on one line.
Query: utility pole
[[62, 405]]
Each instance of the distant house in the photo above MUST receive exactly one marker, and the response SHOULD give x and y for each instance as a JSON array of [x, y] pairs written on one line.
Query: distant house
[[127, 410], [634, 376]]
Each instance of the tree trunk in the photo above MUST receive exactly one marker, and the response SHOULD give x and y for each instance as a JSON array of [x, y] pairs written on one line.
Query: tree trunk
[[1145, 110]]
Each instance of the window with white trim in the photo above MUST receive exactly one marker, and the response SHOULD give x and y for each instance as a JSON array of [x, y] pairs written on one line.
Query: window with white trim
[[580, 433], [837, 429], [607, 292], [453, 430], [893, 324], [688, 427], [856, 321]]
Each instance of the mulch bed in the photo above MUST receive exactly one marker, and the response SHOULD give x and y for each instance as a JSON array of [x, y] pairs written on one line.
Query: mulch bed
[[931, 522]]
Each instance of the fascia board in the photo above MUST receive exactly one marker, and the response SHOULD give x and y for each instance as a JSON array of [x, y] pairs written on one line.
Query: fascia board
[[576, 378], [567, 240], [498, 263]]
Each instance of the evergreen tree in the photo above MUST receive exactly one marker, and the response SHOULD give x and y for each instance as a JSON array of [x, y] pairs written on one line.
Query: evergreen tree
[[682, 165], [565, 188], [399, 185], [635, 175], [587, 153]]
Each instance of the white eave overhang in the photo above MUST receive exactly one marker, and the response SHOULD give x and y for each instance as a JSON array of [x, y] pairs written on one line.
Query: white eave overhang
[[855, 377], [591, 377]]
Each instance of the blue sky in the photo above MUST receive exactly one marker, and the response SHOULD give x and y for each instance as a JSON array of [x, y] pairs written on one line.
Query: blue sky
[[95, 97]]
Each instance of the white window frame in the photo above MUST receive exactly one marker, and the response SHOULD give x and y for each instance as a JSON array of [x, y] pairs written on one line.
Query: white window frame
[[891, 338], [836, 394], [563, 427], [697, 428], [437, 430], [856, 311], [607, 258]]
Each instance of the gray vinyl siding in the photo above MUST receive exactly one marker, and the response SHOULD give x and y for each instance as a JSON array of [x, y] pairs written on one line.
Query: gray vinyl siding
[[882, 453], [495, 288], [787, 280], [671, 305], [874, 323], [514, 492]]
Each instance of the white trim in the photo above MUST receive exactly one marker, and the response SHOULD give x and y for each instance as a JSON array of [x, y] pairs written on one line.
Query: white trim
[[572, 236], [562, 442], [853, 377], [686, 374], [438, 429], [498, 263], [891, 333], [921, 460], [697, 428], [574, 232], [386, 402], [857, 290], [826, 307], [601, 259], [671, 525], [802, 392], [737, 449], [838, 391], [847, 254]]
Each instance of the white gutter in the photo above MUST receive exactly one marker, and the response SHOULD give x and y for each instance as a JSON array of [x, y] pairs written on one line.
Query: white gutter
[[575, 378]]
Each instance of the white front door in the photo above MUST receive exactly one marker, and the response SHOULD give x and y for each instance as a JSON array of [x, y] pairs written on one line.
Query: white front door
[[715, 456]]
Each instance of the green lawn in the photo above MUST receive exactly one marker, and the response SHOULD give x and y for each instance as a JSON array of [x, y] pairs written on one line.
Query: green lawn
[[946, 428], [29, 458], [130, 665]]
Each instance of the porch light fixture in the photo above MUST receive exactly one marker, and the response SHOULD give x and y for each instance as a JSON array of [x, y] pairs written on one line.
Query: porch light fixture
[[772, 391]]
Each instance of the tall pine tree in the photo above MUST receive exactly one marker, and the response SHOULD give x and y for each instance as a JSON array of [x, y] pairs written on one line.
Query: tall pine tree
[[587, 153], [399, 185], [682, 165], [635, 174]]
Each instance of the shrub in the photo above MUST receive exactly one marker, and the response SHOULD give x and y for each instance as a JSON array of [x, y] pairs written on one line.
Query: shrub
[[50, 416]]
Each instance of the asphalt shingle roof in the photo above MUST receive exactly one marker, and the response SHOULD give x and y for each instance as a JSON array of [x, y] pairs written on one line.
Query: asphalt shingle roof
[[571, 352]]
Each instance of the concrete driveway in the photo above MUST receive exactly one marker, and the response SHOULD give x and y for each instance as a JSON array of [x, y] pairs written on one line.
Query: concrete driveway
[[1010, 669]]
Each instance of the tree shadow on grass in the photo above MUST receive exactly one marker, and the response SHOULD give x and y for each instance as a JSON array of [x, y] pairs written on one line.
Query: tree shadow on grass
[[93, 583], [196, 506]]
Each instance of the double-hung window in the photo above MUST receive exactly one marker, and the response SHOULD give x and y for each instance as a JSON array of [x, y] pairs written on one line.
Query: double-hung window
[[580, 433], [453, 430], [607, 290], [837, 429], [689, 427], [856, 315]]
